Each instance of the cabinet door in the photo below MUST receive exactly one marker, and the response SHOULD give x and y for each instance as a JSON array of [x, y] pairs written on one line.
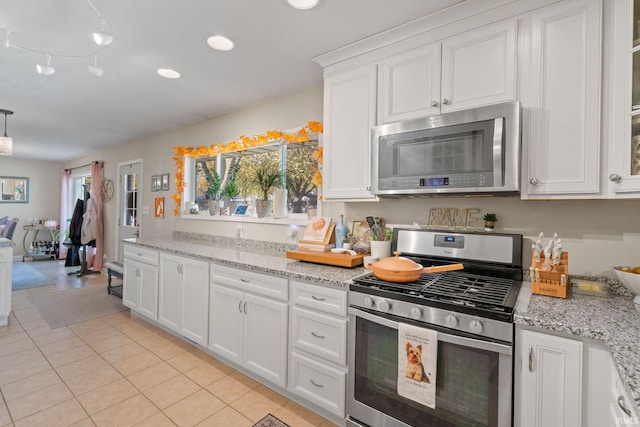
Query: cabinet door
[[479, 67], [564, 110], [5, 284], [409, 84], [265, 339], [195, 300], [349, 114], [170, 292], [551, 386], [131, 284], [148, 288], [226, 319]]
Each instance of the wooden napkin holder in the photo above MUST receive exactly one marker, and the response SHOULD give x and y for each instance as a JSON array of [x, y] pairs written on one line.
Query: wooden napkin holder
[[550, 283]]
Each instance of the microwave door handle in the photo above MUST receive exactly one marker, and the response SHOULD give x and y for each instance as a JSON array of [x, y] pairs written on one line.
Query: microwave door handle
[[453, 339], [498, 152]]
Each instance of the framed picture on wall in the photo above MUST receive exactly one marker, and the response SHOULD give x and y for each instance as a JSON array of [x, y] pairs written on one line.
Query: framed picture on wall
[[165, 181], [159, 210], [155, 183]]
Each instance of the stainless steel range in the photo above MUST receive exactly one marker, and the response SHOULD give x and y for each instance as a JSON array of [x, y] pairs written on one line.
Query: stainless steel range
[[470, 310]]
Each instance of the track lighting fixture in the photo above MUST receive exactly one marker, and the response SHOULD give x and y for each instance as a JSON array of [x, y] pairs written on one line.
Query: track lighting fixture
[[6, 143], [102, 37], [94, 69], [46, 70]]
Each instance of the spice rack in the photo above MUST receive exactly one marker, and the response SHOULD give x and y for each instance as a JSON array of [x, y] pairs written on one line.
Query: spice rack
[[553, 283]]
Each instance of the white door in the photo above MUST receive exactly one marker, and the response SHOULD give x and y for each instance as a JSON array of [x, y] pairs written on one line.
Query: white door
[[129, 201]]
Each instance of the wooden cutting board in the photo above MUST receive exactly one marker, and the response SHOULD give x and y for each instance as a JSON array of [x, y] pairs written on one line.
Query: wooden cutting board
[[327, 258]]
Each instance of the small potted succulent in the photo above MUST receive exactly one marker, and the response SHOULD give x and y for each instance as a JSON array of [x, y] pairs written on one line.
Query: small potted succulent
[[489, 221], [266, 176]]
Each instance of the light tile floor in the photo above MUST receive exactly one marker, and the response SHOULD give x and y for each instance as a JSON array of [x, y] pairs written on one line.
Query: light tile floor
[[119, 370]]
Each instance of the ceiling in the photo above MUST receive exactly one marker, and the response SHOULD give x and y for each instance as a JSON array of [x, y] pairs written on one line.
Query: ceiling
[[72, 112]]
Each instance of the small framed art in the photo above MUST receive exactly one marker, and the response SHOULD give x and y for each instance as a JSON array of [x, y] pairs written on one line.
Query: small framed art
[[156, 183], [165, 182]]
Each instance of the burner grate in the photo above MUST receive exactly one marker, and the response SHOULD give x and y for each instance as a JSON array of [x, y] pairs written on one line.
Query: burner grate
[[453, 285]]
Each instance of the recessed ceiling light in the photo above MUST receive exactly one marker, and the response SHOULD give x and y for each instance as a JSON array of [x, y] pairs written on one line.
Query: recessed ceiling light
[[220, 43], [303, 4], [169, 73]]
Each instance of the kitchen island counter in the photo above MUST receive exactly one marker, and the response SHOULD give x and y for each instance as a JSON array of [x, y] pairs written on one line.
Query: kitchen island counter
[[264, 257], [615, 320]]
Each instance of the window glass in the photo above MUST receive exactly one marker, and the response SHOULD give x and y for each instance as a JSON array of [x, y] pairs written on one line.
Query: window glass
[[296, 162]]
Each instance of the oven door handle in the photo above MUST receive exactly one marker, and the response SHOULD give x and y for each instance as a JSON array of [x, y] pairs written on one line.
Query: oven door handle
[[452, 339]]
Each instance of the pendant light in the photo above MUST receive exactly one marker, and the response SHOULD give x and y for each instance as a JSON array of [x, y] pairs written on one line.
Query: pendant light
[[6, 143]]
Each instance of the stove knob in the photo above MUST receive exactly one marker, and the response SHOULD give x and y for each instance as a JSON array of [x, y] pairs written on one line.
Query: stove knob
[[384, 306], [451, 320], [476, 326], [368, 302], [415, 313]]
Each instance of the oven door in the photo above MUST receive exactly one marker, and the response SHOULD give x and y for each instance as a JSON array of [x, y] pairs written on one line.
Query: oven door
[[473, 381]]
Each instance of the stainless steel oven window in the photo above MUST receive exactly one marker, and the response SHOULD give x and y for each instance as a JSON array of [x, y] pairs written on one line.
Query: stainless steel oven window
[[473, 384]]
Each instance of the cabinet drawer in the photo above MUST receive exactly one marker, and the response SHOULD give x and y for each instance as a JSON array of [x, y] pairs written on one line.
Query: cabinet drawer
[[329, 300], [321, 335], [257, 283], [320, 384], [139, 254]]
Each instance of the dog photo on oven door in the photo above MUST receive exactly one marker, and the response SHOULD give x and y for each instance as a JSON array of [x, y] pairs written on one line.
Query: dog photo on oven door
[[415, 368], [417, 364]]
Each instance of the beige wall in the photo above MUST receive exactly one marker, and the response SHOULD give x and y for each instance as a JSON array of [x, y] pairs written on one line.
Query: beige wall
[[44, 194], [597, 234]]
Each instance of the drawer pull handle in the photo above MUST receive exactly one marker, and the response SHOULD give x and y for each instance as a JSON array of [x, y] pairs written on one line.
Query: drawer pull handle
[[139, 254], [318, 298], [315, 384], [623, 406], [317, 336], [245, 280], [530, 359]]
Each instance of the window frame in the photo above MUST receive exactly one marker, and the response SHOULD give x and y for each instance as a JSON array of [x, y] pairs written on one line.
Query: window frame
[[188, 194]]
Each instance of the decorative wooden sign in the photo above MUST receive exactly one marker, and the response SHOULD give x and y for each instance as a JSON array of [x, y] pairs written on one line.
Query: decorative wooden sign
[[454, 218]]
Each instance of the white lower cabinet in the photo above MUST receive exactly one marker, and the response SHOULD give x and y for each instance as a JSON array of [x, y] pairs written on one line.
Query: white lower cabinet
[[318, 371], [6, 255], [184, 297], [140, 281], [550, 380], [248, 321]]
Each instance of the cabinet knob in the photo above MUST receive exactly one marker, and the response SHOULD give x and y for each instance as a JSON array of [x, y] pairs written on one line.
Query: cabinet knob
[[445, 101], [534, 181], [614, 177], [623, 406], [434, 103]]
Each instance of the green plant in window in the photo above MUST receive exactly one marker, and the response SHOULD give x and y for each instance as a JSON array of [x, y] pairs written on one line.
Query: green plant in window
[[214, 184], [266, 175]]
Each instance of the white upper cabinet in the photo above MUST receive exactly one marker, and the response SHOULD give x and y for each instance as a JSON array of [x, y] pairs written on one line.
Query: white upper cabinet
[[479, 67], [562, 104], [624, 148], [409, 84], [471, 69], [349, 115]]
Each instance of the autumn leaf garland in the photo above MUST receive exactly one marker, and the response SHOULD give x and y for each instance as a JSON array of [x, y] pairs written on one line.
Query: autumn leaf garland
[[243, 143]]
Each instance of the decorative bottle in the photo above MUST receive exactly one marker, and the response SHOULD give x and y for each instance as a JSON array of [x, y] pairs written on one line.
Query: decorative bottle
[[341, 232]]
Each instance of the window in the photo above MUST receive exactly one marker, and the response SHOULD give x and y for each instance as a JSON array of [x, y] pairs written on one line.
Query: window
[[296, 164]]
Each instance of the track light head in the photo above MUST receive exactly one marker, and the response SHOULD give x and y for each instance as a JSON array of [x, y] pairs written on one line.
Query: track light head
[[94, 69], [46, 70], [102, 37]]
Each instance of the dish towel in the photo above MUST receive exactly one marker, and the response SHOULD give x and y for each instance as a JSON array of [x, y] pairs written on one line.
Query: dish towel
[[417, 364]]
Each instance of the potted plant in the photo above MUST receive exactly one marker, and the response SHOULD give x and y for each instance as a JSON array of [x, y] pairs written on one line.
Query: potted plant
[[230, 191], [213, 191], [489, 221], [266, 176]]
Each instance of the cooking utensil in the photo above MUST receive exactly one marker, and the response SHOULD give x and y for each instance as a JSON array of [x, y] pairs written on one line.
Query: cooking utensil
[[400, 269]]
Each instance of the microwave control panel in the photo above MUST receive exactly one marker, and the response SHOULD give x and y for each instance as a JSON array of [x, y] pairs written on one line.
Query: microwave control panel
[[463, 180]]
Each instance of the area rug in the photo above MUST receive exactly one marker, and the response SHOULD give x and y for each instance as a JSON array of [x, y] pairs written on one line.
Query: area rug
[[24, 276], [270, 421], [77, 305]]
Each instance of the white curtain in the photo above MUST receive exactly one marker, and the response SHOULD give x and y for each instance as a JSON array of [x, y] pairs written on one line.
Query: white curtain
[[65, 213]]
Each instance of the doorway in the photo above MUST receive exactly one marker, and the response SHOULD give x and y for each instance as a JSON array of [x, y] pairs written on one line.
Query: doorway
[[129, 202]]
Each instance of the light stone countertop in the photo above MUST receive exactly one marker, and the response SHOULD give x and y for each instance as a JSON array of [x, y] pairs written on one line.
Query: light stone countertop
[[615, 320], [6, 243]]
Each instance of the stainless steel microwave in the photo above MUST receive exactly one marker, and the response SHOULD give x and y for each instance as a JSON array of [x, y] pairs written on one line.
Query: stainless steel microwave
[[463, 152]]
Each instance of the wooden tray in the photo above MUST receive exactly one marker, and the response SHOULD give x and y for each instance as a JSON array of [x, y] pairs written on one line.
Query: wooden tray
[[327, 258]]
